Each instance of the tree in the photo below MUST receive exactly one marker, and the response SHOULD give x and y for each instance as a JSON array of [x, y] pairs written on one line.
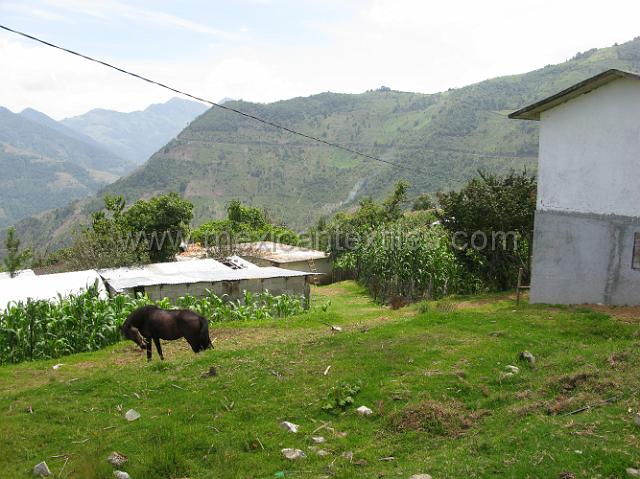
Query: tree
[[162, 222], [394, 204], [423, 202], [244, 224], [344, 231], [16, 259], [108, 242], [491, 223], [239, 213]]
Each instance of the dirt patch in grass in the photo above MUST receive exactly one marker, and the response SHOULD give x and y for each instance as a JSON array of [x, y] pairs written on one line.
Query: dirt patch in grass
[[552, 407], [569, 382], [617, 359], [442, 419], [625, 314]]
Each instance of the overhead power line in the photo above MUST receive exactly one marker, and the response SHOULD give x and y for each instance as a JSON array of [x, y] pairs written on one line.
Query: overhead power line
[[212, 103], [262, 120]]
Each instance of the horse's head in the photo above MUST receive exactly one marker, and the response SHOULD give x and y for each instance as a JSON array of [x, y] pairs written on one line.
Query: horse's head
[[134, 335]]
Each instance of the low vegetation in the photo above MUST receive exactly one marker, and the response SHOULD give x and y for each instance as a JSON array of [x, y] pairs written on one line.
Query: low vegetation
[[40, 329], [243, 224], [437, 383], [16, 258], [396, 253]]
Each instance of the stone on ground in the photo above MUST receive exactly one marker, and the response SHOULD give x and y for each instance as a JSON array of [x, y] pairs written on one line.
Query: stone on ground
[[293, 454], [364, 411], [132, 415], [528, 357], [289, 426], [41, 470], [116, 459]]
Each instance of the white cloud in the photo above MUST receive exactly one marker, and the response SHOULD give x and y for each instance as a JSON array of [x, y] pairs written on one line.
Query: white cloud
[[410, 45], [111, 9], [33, 11]]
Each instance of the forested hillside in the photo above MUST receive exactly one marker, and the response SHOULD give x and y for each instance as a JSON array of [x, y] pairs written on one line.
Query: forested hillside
[[442, 138], [45, 167]]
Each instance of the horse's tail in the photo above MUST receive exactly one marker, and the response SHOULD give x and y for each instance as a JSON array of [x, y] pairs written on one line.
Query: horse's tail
[[205, 340]]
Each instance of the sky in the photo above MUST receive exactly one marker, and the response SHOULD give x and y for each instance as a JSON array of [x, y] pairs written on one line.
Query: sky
[[269, 50]]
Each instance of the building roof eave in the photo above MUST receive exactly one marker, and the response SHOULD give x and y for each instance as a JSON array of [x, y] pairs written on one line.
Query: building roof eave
[[533, 111]]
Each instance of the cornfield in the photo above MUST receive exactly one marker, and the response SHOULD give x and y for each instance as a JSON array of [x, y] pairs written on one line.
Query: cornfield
[[41, 329], [413, 263]]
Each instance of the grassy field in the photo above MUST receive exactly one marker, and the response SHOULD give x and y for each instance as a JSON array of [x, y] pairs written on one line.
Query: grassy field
[[434, 379]]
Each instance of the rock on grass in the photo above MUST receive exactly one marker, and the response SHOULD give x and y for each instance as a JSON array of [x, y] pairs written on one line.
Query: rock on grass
[[41, 470], [289, 426], [132, 415], [364, 411], [293, 454], [116, 459]]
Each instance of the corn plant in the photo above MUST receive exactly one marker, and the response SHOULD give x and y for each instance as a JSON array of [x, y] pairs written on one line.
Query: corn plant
[[414, 263], [42, 329]]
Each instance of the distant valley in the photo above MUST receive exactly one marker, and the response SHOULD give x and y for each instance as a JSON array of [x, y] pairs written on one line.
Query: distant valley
[[47, 163]]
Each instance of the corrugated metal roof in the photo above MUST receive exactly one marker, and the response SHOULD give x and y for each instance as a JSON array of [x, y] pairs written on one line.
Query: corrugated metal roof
[[279, 253], [189, 272], [48, 286], [22, 272], [532, 112]]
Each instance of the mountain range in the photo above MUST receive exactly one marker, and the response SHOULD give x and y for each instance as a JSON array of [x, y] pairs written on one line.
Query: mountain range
[[440, 140], [135, 136], [48, 163]]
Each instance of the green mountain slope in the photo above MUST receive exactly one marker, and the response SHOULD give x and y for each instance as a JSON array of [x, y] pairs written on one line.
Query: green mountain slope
[[136, 135], [43, 167], [447, 136], [32, 183], [442, 138], [23, 133], [39, 117]]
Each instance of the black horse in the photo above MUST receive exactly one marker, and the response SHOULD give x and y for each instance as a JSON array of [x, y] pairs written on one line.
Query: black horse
[[151, 322]]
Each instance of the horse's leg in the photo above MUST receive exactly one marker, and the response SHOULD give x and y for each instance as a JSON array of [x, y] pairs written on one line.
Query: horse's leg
[[158, 347], [148, 340]]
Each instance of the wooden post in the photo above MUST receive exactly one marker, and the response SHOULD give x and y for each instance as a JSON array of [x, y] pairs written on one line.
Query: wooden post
[[518, 287]]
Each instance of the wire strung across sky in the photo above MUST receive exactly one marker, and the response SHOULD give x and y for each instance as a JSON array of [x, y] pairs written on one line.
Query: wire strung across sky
[[234, 110]]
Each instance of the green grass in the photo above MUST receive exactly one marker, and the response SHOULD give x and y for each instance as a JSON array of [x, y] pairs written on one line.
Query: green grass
[[438, 371]]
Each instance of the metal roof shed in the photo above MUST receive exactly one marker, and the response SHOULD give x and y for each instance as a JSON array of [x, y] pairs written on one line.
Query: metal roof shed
[[22, 272], [268, 253], [48, 286], [173, 280]]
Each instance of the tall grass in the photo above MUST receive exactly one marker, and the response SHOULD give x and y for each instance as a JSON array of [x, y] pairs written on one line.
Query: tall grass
[[43, 329]]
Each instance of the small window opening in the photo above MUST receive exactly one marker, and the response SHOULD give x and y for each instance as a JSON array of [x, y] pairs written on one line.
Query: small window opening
[[636, 252]]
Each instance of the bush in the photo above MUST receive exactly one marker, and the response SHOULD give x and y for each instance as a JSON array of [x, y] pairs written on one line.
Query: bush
[[500, 209]]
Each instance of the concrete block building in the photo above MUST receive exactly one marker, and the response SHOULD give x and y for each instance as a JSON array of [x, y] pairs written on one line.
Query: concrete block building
[[586, 245], [268, 253], [229, 279]]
